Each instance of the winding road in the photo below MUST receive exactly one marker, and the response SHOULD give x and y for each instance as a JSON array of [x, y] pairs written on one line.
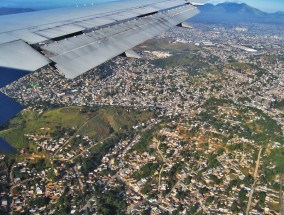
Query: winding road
[[255, 176]]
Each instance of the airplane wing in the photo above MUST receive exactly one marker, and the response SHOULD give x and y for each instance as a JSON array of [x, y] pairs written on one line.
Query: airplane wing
[[76, 40]]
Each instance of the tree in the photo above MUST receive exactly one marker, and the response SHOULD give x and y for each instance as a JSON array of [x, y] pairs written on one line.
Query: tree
[[242, 195], [262, 196], [210, 199], [234, 207], [248, 180], [203, 190]]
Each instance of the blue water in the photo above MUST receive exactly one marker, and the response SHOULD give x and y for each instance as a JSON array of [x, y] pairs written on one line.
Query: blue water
[[8, 108], [8, 75], [6, 147]]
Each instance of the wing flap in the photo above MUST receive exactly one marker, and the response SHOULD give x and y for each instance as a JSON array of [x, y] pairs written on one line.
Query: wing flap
[[19, 55], [28, 36], [115, 33], [5, 38], [60, 31], [95, 22], [59, 22], [17, 60], [116, 27], [87, 55]]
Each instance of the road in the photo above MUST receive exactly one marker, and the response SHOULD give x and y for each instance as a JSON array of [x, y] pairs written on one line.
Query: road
[[160, 176], [255, 176], [281, 195]]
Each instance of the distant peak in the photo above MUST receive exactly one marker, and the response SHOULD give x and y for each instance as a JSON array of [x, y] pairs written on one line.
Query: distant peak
[[232, 12], [233, 7]]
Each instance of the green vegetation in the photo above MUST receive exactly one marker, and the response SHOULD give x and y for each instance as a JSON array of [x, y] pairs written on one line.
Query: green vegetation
[[109, 120], [247, 68], [234, 207], [166, 45], [64, 202], [148, 188], [147, 170], [252, 124], [242, 66], [172, 175], [146, 139], [97, 124], [277, 157], [184, 55], [261, 197], [269, 58], [112, 202], [243, 199], [193, 61], [98, 152], [215, 179], [39, 202], [279, 104]]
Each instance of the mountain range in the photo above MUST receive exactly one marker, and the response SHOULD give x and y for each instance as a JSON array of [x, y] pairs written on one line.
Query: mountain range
[[224, 13], [235, 13]]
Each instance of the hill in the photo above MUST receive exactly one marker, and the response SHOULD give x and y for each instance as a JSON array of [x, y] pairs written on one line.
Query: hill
[[235, 13], [97, 123]]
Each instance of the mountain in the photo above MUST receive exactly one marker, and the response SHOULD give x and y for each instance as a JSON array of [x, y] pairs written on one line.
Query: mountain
[[235, 13], [6, 11]]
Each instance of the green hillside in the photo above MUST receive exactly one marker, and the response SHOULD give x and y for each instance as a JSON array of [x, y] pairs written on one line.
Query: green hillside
[[97, 124]]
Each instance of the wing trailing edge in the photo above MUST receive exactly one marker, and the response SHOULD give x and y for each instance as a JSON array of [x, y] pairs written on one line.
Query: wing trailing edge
[[79, 39], [79, 54]]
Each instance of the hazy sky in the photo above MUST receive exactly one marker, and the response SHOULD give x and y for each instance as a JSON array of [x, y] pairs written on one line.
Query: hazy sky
[[265, 5], [40, 4]]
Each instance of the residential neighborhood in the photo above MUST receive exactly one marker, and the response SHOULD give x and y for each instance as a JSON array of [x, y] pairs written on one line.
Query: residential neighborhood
[[194, 126]]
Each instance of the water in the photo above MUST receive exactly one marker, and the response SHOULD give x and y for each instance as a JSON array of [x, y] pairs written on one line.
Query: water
[[8, 75], [8, 109], [6, 147]]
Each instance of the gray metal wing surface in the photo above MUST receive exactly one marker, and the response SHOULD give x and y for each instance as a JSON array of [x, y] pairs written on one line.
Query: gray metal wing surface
[[99, 31], [79, 39], [92, 49]]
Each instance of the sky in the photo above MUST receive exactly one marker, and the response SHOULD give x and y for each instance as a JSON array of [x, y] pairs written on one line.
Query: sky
[[264, 5]]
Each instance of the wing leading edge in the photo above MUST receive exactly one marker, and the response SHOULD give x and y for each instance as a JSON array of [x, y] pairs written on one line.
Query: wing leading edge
[[79, 39], [91, 50]]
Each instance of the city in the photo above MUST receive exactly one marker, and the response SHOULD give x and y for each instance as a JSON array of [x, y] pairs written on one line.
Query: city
[[195, 126]]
